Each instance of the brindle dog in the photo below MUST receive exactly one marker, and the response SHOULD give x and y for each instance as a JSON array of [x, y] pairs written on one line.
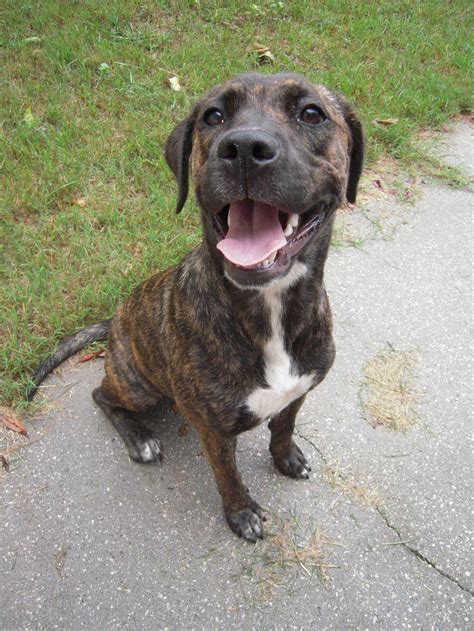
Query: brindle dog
[[241, 329]]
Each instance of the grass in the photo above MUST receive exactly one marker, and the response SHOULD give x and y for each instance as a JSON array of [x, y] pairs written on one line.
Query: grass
[[389, 392], [290, 554], [345, 483], [87, 201]]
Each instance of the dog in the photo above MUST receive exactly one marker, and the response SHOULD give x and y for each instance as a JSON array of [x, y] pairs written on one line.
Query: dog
[[241, 329]]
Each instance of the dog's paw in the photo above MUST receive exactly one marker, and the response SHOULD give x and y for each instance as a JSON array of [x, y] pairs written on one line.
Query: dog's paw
[[293, 464], [247, 523], [146, 450]]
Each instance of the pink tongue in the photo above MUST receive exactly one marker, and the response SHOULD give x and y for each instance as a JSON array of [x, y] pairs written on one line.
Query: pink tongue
[[254, 233]]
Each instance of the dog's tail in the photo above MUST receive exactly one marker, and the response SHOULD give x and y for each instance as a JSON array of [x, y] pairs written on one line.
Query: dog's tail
[[66, 349]]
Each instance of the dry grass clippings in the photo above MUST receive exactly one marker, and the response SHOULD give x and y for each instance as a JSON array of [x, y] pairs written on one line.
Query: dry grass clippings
[[286, 555], [389, 394], [345, 482]]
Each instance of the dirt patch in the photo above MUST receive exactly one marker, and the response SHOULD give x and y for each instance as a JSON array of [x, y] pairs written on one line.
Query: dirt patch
[[388, 180], [385, 201], [389, 393]]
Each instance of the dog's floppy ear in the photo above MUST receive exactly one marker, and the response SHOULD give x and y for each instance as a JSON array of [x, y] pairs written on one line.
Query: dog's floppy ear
[[356, 150], [177, 153]]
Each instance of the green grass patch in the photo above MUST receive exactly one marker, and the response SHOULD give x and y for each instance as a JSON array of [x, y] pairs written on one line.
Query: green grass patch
[[87, 201]]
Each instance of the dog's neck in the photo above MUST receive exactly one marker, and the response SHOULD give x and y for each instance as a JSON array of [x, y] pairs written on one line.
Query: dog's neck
[[284, 309], [297, 298]]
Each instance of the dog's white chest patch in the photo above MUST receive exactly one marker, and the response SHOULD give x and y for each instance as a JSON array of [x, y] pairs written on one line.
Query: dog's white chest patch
[[284, 384]]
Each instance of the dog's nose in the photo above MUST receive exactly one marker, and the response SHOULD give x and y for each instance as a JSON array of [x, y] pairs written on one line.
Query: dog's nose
[[254, 148]]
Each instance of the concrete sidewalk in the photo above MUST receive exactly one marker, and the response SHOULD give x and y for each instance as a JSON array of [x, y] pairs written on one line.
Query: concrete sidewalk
[[92, 540]]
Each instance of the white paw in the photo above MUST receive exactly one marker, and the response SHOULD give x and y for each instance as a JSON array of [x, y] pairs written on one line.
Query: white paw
[[148, 450]]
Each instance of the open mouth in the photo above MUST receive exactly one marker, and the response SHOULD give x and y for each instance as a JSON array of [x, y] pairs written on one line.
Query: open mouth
[[255, 236]]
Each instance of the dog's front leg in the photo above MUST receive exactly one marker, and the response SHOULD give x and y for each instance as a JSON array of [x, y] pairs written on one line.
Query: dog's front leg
[[287, 456], [243, 514]]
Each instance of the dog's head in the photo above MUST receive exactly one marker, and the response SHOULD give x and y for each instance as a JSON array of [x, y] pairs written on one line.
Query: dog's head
[[271, 158]]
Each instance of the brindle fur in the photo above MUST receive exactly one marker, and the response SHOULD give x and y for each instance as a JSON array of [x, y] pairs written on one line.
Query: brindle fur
[[191, 335]]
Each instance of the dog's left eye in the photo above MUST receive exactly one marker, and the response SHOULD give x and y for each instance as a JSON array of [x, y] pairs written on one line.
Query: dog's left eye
[[312, 115], [213, 117]]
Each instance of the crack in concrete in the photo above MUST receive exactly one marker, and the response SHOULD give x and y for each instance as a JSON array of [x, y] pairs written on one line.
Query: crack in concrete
[[410, 549], [317, 449]]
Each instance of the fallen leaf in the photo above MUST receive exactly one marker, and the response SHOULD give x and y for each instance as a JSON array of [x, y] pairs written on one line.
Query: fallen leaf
[[6, 462], [266, 58], [29, 118], [377, 184], [32, 40], [174, 84], [264, 54], [183, 430], [80, 201], [260, 48], [386, 122], [12, 421], [89, 356]]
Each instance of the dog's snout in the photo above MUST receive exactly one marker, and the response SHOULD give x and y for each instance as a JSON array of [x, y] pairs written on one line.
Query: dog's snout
[[255, 148]]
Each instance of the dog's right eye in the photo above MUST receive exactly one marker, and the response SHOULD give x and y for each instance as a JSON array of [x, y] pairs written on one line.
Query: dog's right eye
[[213, 117], [312, 115]]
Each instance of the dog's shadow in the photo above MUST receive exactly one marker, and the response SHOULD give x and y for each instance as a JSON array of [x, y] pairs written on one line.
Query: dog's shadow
[[182, 488], [171, 428]]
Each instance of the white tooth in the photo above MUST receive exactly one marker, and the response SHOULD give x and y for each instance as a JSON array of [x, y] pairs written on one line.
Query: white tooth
[[288, 230], [272, 257], [293, 220]]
